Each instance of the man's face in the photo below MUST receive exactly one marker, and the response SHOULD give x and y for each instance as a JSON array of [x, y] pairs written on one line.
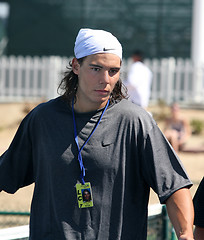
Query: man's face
[[97, 76], [87, 196]]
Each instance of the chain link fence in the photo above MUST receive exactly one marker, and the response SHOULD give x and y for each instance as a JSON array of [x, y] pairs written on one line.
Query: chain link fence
[[13, 219], [16, 224]]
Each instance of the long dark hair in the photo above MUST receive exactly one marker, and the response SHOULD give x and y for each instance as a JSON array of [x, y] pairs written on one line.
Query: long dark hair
[[69, 84]]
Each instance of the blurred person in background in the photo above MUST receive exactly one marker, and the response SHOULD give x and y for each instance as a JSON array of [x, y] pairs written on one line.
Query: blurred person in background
[[139, 80], [177, 128], [92, 137], [198, 202]]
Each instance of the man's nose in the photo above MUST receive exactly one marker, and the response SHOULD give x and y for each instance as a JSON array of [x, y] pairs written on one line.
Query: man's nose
[[105, 77]]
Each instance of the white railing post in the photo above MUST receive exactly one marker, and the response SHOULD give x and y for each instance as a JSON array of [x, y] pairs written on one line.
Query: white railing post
[[170, 80], [198, 85], [164, 92], [155, 70], [188, 81], [55, 75], [2, 76]]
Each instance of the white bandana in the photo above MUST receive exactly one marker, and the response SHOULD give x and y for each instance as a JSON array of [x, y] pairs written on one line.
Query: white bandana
[[91, 41]]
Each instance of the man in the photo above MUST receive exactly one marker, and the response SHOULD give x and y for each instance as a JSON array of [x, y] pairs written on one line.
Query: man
[[139, 81], [199, 211], [177, 128], [93, 138], [86, 196]]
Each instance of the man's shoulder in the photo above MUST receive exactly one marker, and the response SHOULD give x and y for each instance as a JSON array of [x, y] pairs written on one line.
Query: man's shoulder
[[129, 113], [50, 107], [125, 107]]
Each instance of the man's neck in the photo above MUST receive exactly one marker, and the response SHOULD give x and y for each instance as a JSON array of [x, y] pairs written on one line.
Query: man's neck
[[82, 108]]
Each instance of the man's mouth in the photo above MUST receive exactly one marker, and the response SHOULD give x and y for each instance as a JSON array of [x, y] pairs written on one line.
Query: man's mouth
[[102, 91]]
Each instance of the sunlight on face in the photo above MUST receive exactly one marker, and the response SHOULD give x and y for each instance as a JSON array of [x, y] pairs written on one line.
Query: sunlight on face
[[97, 76]]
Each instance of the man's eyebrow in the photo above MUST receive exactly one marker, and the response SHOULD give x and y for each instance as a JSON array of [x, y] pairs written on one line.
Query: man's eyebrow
[[116, 68], [95, 65], [99, 66]]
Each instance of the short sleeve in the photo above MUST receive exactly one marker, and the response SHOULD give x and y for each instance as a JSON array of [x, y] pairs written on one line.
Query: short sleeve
[[198, 202], [163, 169], [16, 168]]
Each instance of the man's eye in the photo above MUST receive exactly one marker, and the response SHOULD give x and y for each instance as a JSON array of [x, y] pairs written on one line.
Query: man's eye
[[96, 69], [113, 71]]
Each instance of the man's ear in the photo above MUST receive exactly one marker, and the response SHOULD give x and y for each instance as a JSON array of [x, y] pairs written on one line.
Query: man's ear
[[75, 66]]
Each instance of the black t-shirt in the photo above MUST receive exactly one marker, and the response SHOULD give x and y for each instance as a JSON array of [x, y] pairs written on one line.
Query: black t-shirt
[[126, 155], [198, 202]]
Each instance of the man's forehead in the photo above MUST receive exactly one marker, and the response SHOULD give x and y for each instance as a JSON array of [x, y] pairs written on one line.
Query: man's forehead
[[104, 58]]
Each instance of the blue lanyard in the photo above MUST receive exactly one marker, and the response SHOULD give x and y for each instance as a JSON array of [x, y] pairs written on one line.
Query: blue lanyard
[[82, 175]]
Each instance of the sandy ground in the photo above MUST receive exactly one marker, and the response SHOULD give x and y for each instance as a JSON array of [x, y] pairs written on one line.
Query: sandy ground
[[12, 114]]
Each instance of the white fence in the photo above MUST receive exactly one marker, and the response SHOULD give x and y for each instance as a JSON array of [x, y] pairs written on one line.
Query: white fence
[[30, 79], [26, 78]]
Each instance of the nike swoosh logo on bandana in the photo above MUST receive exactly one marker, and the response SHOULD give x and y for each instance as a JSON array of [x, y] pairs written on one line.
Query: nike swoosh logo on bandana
[[108, 49]]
